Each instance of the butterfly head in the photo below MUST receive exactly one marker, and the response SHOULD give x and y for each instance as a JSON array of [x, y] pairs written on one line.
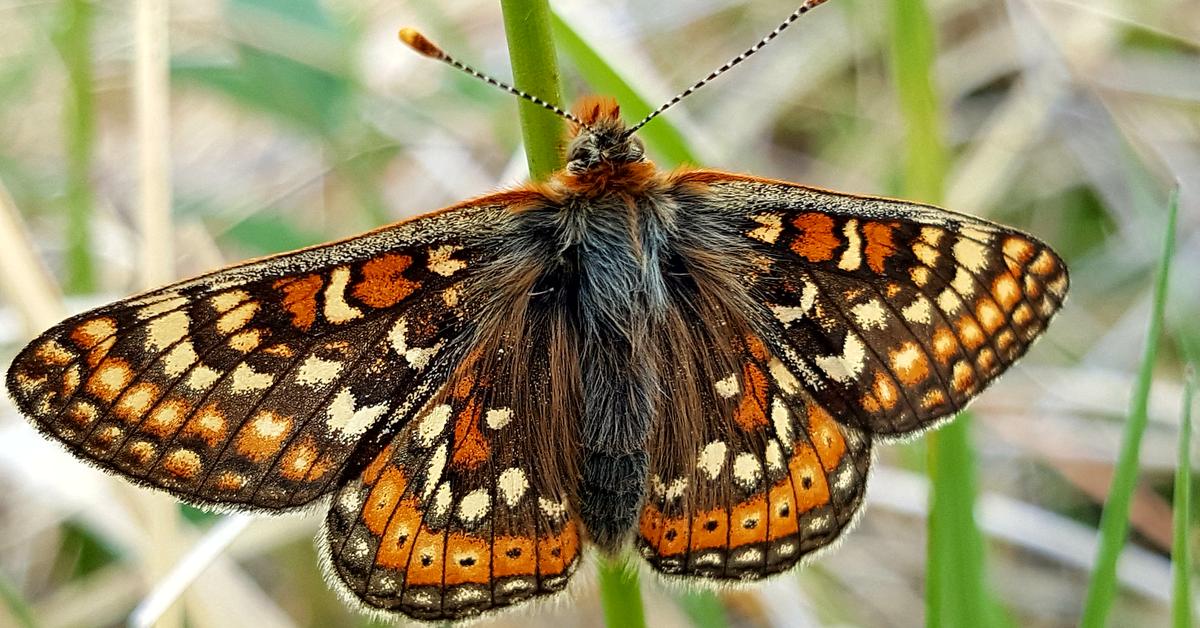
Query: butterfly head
[[602, 140]]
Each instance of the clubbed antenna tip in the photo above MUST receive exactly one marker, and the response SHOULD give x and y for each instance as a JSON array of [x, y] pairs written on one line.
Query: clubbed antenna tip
[[415, 40]]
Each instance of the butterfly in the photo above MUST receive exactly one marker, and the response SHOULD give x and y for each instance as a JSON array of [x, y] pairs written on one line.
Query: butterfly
[[697, 363]]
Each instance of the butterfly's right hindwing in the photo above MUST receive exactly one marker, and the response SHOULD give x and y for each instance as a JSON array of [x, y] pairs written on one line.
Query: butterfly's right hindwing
[[252, 386]]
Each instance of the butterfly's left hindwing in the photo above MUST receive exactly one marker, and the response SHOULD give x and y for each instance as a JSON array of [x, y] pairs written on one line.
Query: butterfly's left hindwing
[[252, 386]]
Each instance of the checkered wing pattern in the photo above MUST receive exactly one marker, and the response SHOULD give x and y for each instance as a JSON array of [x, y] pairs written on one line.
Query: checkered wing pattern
[[891, 314], [252, 386], [470, 508]]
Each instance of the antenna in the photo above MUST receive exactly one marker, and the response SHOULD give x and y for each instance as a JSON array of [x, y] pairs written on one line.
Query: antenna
[[804, 8], [418, 42]]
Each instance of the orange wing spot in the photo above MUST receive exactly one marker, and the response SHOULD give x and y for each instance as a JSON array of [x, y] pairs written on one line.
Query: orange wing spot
[[972, 336], [51, 352], [383, 283], [785, 521], [110, 379], [1044, 264], [82, 413], [909, 363], [962, 378], [986, 361], [208, 425], [1017, 252], [1005, 340], [89, 334], [229, 481], [879, 244], [557, 552], [933, 399], [263, 436], [816, 241], [383, 499], [97, 353], [710, 529], [142, 452], [756, 348], [989, 315], [808, 480], [182, 463], [300, 299], [280, 351], [750, 413], [945, 345], [1006, 291], [425, 566], [108, 436], [136, 400], [468, 559], [1023, 314], [667, 536], [371, 474], [749, 522], [515, 556], [825, 436], [167, 418], [70, 380], [885, 392], [301, 461], [471, 449]]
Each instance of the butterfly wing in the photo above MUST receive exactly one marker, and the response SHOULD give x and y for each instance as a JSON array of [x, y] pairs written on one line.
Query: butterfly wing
[[471, 507], [749, 472], [892, 314], [253, 385]]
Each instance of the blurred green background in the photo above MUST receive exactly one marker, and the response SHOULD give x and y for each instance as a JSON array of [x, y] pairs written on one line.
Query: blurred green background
[[293, 122]]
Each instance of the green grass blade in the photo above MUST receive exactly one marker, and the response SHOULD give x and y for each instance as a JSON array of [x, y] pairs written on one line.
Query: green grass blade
[[704, 609], [1181, 560], [1114, 522], [74, 43], [956, 584], [535, 71], [660, 136], [619, 595]]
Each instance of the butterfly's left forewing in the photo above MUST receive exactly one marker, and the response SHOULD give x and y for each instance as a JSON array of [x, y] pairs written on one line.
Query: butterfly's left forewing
[[252, 386]]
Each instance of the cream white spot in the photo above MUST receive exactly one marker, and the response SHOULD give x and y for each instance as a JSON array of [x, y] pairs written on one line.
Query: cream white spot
[[852, 257], [657, 488], [442, 500], [318, 371], [783, 377], [774, 456], [781, 420], [167, 330], [712, 459], [433, 424], [844, 478], [746, 470], [246, 379], [202, 378], [870, 315], [497, 418], [708, 559], [450, 296], [948, 301], [181, 357], [787, 549], [917, 312], [728, 387], [552, 509], [512, 485], [228, 300], [772, 226], [237, 318], [676, 489], [842, 368], [437, 464], [474, 506], [932, 235], [963, 283], [441, 263], [926, 254], [971, 254], [170, 301], [1058, 286], [417, 357], [347, 419], [906, 357], [749, 556], [336, 308]]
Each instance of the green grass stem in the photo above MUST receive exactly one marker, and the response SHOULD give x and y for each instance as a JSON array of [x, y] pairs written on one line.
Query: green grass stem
[[956, 584], [74, 42], [1181, 560], [535, 70], [1114, 521]]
